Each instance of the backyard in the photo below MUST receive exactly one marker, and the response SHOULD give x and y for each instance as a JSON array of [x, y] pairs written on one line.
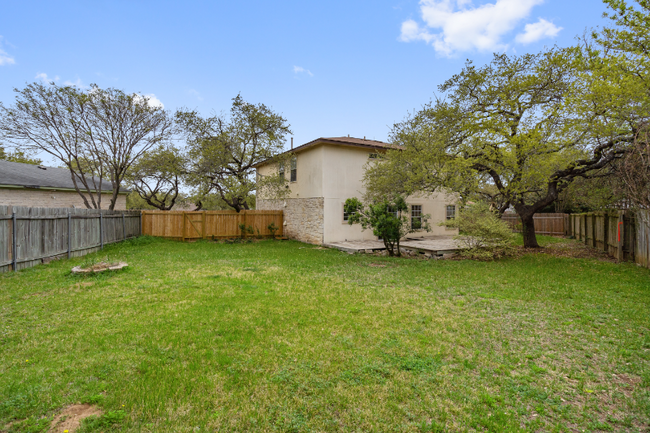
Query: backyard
[[284, 336]]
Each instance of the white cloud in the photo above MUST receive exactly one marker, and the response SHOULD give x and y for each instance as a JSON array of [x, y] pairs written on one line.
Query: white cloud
[[195, 93], [452, 26], [301, 70], [151, 99], [45, 79], [5, 59], [539, 30], [75, 83]]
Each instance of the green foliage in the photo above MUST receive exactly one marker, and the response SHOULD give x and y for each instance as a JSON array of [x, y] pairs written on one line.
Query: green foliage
[[157, 175], [18, 156], [31, 425], [100, 423], [273, 229], [223, 152], [482, 233], [245, 230], [525, 125], [388, 219]]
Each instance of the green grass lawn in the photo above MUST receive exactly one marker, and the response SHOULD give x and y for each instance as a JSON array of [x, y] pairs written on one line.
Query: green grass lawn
[[281, 336]]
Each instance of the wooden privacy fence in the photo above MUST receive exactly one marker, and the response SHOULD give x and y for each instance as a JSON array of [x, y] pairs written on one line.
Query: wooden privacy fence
[[622, 234], [209, 224], [545, 223], [30, 236]]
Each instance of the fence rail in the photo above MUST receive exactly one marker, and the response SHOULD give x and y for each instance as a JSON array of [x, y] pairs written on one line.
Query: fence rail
[[209, 224], [545, 223], [30, 236]]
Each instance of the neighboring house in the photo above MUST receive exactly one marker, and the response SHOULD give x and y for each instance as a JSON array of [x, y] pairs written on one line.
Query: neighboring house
[[322, 175], [39, 186]]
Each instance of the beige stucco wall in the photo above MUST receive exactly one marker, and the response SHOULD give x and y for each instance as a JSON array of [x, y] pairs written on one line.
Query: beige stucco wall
[[43, 198], [303, 217], [335, 173]]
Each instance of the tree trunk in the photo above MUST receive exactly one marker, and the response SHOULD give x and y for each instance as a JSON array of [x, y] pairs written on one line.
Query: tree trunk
[[528, 230]]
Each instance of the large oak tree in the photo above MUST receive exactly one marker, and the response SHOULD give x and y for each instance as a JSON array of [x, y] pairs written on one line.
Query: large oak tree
[[513, 124], [223, 151]]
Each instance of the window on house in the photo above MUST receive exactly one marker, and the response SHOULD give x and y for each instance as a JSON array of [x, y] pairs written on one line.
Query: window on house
[[373, 156], [393, 210], [416, 216], [451, 212], [281, 170], [346, 215], [294, 171]]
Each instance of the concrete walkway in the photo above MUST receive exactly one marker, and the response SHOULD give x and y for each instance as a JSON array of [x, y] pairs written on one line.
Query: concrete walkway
[[435, 245]]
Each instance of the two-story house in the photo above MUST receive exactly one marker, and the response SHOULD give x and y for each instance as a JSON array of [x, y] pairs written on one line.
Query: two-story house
[[322, 175]]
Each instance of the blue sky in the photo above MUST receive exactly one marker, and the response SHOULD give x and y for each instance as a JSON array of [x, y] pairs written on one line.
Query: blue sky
[[331, 68]]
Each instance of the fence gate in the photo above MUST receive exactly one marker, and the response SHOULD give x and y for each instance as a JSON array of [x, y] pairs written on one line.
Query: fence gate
[[193, 225]]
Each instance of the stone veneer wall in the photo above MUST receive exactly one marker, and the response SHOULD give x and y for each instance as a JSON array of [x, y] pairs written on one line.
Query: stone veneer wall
[[303, 217], [42, 198]]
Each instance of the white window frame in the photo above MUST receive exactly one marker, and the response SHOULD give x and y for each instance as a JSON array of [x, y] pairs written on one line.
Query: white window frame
[[419, 216], [293, 176], [447, 217]]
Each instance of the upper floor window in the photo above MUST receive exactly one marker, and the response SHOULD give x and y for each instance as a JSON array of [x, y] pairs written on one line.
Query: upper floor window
[[294, 170], [416, 216], [281, 170], [373, 156], [451, 212]]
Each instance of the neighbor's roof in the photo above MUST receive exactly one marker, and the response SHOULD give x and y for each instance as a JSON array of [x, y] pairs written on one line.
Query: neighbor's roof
[[19, 175], [341, 141]]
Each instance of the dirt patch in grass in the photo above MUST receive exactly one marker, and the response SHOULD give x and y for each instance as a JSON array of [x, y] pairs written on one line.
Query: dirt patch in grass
[[70, 419]]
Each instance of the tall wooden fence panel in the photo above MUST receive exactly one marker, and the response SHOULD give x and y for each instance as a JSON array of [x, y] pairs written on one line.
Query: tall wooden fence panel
[[210, 224], [642, 252], [623, 234], [30, 236], [545, 223]]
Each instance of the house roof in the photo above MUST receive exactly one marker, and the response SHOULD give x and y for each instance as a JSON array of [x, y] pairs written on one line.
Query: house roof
[[341, 141], [19, 175]]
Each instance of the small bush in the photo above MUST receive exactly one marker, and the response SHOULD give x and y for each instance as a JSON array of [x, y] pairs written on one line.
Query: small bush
[[273, 228], [483, 235]]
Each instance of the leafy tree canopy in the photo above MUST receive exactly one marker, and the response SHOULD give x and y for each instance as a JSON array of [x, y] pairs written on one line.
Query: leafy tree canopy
[[513, 125], [223, 152]]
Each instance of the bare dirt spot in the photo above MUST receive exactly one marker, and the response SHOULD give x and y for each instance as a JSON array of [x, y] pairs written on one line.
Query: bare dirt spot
[[376, 265], [71, 417]]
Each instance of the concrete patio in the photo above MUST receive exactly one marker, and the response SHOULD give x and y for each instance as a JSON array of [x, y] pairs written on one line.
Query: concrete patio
[[435, 245]]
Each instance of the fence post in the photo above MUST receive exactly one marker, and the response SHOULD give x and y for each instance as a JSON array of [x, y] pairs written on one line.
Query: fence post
[[141, 212], [101, 229], [184, 217], [14, 241], [606, 232], [69, 234], [123, 227], [620, 226], [593, 229]]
